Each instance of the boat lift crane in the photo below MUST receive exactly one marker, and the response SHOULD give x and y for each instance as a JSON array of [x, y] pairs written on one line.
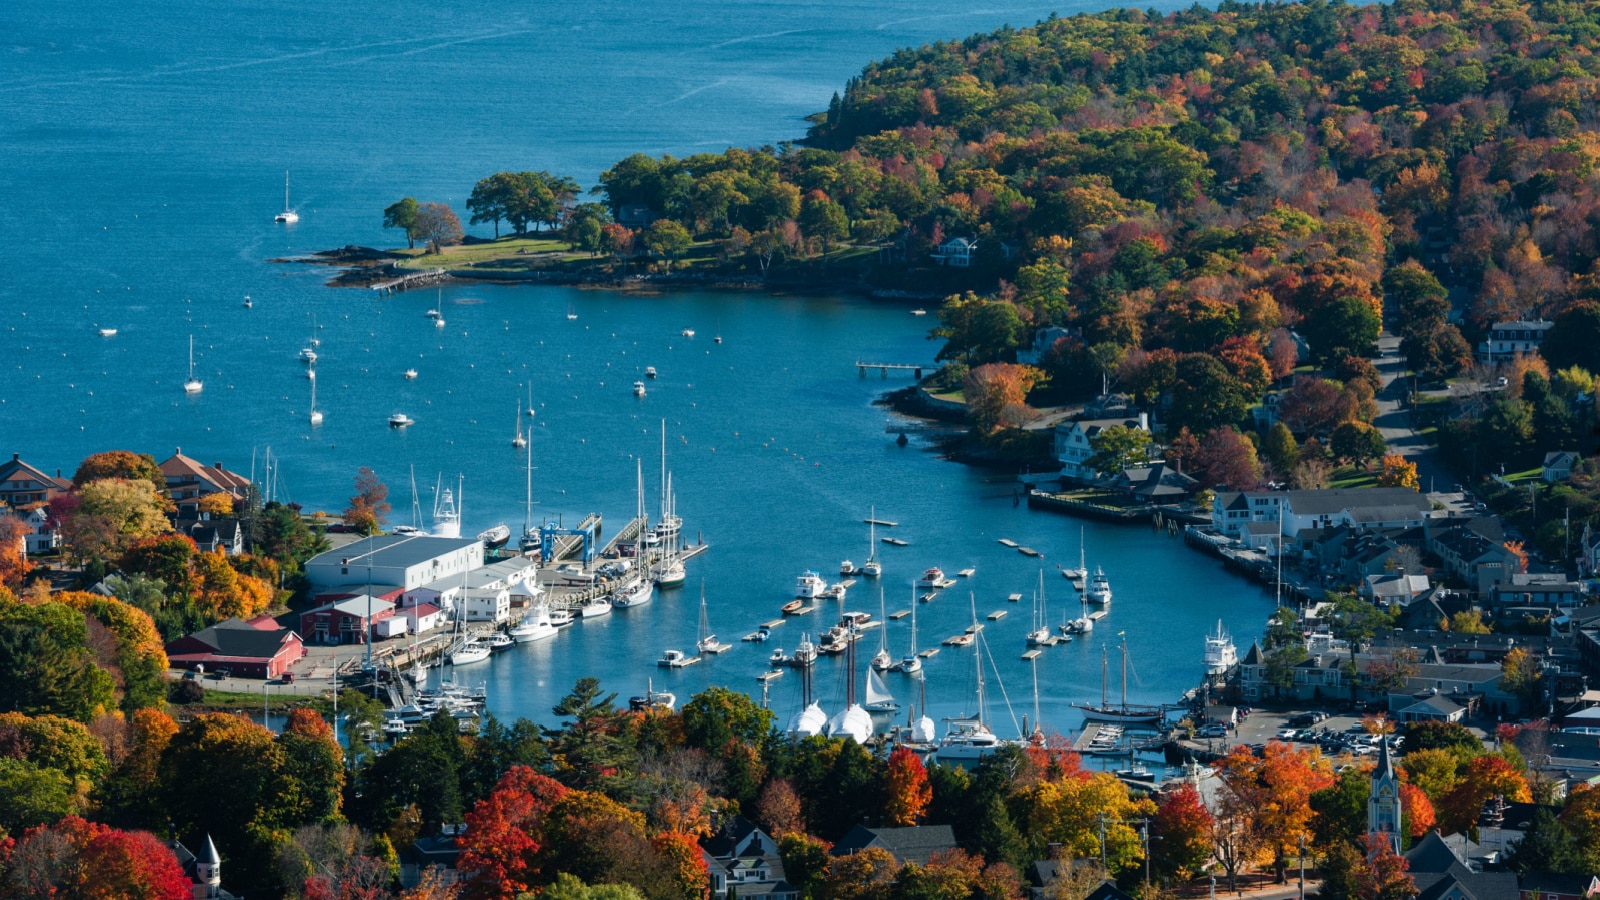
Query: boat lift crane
[[589, 531]]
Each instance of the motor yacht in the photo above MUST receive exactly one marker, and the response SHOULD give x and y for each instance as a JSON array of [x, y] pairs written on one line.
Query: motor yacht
[[638, 389], [934, 578], [1099, 591], [1221, 655], [536, 627], [400, 420], [810, 586], [410, 374], [499, 643], [561, 618], [649, 371]]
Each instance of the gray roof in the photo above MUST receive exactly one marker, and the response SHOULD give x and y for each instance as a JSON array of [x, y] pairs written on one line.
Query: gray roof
[[1334, 500], [915, 844], [233, 637], [391, 550], [1436, 704]]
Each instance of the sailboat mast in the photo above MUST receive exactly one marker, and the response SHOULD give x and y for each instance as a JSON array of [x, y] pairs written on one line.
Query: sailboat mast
[[977, 651], [1104, 674], [527, 515], [1124, 675], [913, 618]]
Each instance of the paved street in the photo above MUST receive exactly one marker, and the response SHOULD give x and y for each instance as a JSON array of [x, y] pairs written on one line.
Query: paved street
[[1394, 419]]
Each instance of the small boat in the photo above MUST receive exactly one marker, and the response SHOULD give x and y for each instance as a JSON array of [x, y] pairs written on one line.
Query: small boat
[[687, 332], [718, 339], [410, 374], [967, 573], [919, 312], [308, 356], [708, 641], [561, 618], [570, 314], [1082, 571], [837, 592], [638, 389], [432, 314], [810, 586], [193, 385], [499, 643], [438, 322], [653, 699], [929, 597], [846, 569], [1039, 635], [960, 640], [882, 661], [496, 537], [1099, 591], [469, 653], [894, 542], [288, 216], [934, 578], [634, 593], [401, 420], [649, 371], [599, 606], [248, 303], [872, 568], [108, 332], [793, 607], [675, 659], [517, 439]]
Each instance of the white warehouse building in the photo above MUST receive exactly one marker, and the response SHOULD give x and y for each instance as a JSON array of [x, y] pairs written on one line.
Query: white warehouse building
[[394, 561]]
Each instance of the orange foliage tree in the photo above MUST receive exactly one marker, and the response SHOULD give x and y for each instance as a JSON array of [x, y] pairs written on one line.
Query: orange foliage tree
[[997, 395], [500, 851], [75, 858], [908, 788], [1418, 808], [778, 809], [1487, 776], [14, 564], [1272, 793], [1398, 472], [681, 864]]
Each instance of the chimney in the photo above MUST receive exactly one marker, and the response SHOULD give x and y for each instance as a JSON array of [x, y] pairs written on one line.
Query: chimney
[[16, 456], [1144, 421]]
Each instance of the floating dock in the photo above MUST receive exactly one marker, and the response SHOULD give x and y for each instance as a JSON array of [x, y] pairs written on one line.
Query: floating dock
[[884, 522], [997, 614], [929, 653], [770, 675], [1014, 598], [974, 628], [895, 542], [1099, 614], [899, 614], [715, 648], [1027, 551], [772, 624], [928, 597], [1031, 655], [1009, 543], [677, 663], [801, 611]]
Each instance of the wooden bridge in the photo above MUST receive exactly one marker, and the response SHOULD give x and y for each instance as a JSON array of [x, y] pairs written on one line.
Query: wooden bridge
[[914, 368], [414, 279]]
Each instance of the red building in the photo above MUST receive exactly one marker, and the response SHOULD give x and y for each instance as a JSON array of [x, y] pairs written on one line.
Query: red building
[[347, 618], [254, 649]]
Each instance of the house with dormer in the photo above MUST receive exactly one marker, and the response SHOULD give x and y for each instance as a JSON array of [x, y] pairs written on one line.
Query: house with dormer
[[24, 486], [744, 858], [204, 871], [188, 480], [957, 252], [1074, 443]]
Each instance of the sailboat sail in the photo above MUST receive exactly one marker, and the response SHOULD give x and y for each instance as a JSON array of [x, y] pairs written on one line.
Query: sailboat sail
[[878, 695]]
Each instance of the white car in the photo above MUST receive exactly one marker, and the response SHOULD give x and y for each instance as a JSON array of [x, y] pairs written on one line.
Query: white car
[[1288, 734]]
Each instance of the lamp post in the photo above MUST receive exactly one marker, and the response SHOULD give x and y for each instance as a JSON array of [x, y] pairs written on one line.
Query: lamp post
[[1144, 835], [266, 687], [1302, 867]]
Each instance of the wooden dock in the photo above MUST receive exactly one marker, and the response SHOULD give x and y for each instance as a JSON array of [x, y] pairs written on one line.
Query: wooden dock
[[997, 614], [883, 368], [928, 597], [1014, 598], [769, 675], [1031, 655], [414, 279], [929, 653], [960, 640], [967, 573], [716, 648], [772, 624], [802, 610], [884, 522], [1099, 614], [678, 663], [1027, 551], [1008, 542], [899, 614]]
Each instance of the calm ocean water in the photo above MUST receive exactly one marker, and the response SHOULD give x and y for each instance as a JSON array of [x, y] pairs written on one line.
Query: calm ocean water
[[144, 146]]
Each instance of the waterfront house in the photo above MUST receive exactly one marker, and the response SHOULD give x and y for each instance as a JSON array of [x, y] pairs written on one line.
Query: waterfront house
[[1073, 444], [915, 844], [1508, 340], [258, 648], [1558, 465], [1367, 508], [23, 486], [957, 252], [487, 604], [188, 480], [1043, 339], [394, 561], [1155, 483], [213, 535], [744, 858], [1320, 676], [346, 618]]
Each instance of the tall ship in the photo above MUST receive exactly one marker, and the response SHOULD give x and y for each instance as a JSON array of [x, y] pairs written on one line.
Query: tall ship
[[1221, 655], [1123, 712]]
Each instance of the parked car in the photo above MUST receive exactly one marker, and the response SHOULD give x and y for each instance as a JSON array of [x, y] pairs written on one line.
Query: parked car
[[1213, 730]]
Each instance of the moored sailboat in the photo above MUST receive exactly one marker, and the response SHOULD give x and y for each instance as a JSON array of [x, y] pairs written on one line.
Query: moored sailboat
[[1123, 712]]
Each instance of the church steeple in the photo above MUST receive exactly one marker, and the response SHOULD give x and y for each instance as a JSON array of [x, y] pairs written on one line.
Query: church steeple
[[1383, 805], [208, 870]]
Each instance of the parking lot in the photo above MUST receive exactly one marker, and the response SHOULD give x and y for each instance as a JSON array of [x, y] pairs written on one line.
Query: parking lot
[[1334, 735]]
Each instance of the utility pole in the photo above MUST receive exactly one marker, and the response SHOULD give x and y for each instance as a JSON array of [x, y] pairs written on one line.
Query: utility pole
[[1102, 841], [1144, 835], [1302, 867], [265, 688]]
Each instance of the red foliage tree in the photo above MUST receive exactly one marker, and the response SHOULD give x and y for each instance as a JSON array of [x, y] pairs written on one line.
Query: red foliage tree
[[14, 564], [1227, 457], [1184, 826], [504, 834], [1383, 876], [75, 858], [908, 788]]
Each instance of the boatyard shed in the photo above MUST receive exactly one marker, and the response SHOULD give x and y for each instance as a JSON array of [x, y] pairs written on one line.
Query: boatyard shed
[[914, 844], [394, 561], [443, 592], [345, 619], [256, 649]]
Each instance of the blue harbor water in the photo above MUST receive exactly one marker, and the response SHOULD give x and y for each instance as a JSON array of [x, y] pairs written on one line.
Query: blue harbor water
[[144, 149]]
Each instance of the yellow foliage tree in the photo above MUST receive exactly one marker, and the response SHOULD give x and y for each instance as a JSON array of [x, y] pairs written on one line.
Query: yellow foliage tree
[[218, 505], [1398, 472], [1069, 811]]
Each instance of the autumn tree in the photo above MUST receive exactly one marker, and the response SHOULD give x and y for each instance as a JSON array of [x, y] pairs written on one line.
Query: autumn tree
[[1485, 777], [1358, 442], [907, 787], [1273, 793], [1227, 458], [369, 508], [1118, 447], [1418, 809], [778, 809], [1398, 472], [667, 239], [1522, 674], [1184, 827], [1311, 407], [78, 859], [130, 509], [500, 853], [437, 226], [14, 562], [996, 396], [865, 875], [1281, 449], [123, 464]]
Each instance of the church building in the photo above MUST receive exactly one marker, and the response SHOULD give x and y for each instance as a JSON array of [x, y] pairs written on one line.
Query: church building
[[1383, 805]]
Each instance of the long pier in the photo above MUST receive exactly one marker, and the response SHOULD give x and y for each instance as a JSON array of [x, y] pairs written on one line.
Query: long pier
[[914, 368], [410, 280]]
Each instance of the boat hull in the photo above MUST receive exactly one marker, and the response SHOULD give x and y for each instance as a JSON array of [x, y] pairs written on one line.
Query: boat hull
[[1128, 715]]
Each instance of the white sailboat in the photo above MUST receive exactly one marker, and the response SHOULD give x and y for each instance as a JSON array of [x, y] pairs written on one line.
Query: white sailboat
[[878, 697], [911, 663], [193, 385], [1082, 571], [708, 641], [872, 568], [636, 592], [882, 661], [570, 314], [969, 737], [669, 571], [854, 721], [288, 216], [530, 535], [1082, 624], [518, 440], [1040, 635]]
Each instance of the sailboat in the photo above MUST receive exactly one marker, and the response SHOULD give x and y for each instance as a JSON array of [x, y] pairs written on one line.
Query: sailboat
[[1040, 635], [878, 697], [854, 722], [530, 535], [922, 727], [669, 571], [308, 353], [1035, 737], [1123, 712], [708, 641], [193, 385], [1082, 571], [911, 663], [969, 737], [872, 568], [316, 415], [1081, 625], [882, 661], [570, 314], [288, 216], [519, 440], [811, 719]]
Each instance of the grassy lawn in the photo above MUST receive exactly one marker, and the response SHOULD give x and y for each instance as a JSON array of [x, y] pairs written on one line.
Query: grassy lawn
[[1525, 476], [471, 254], [1352, 477], [952, 396]]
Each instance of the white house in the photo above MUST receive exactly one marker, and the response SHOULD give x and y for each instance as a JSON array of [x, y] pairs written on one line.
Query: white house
[[424, 617], [394, 561], [442, 592], [41, 537], [1508, 339], [1043, 339], [1073, 445], [957, 252], [1356, 507], [486, 604]]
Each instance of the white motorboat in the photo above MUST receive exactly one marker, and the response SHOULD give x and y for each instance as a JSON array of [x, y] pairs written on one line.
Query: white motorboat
[[810, 586], [193, 385], [1040, 635], [653, 699], [536, 627], [496, 537], [649, 371], [846, 569], [934, 579], [446, 512], [308, 356], [1081, 625], [439, 322], [248, 303], [1221, 655], [1099, 591], [570, 314], [108, 332], [638, 389], [599, 606], [400, 420], [433, 313], [410, 374], [288, 216], [469, 653], [687, 332], [634, 593], [837, 591], [561, 618]]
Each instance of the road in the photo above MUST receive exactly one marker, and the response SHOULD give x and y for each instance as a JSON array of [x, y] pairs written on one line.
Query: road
[[1394, 419]]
